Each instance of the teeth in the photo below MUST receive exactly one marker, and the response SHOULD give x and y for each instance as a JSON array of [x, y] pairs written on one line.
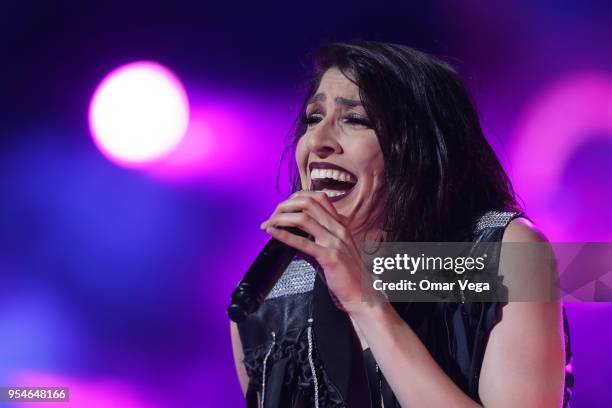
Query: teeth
[[330, 174], [333, 193]]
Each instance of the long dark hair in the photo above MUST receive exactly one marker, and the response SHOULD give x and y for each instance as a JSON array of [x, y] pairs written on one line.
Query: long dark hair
[[440, 173]]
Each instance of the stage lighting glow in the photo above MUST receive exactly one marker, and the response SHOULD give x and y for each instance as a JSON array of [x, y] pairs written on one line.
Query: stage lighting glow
[[139, 113], [561, 119]]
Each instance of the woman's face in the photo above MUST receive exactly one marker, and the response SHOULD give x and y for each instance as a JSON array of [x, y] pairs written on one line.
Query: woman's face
[[339, 153]]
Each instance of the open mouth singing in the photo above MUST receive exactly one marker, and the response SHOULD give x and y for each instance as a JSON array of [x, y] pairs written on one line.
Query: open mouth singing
[[335, 181]]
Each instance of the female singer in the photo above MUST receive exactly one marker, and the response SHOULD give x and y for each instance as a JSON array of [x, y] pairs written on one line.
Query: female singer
[[389, 148]]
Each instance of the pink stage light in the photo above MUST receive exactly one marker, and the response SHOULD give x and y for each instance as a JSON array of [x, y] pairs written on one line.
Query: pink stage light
[[560, 119], [233, 140], [139, 113]]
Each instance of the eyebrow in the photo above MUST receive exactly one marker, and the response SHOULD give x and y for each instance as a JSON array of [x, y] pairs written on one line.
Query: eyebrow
[[321, 97]]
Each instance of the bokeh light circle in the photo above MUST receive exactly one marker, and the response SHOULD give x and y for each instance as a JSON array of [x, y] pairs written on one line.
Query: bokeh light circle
[[139, 113]]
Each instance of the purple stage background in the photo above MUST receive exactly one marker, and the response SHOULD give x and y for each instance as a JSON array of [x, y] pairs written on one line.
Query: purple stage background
[[114, 281]]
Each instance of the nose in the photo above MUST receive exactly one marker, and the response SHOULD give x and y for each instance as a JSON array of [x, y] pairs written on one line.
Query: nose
[[323, 140]]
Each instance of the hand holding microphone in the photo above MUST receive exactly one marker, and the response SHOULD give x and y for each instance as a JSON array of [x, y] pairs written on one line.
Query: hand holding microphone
[[304, 213]]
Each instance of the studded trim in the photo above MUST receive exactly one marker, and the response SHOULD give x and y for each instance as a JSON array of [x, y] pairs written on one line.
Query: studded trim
[[299, 277], [494, 219]]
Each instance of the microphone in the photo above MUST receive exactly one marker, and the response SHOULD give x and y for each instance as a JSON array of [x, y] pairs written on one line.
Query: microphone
[[261, 277]]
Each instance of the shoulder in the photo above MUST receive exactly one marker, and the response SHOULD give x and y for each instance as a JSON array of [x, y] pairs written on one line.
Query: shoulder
[[520, 229], [526, 254]]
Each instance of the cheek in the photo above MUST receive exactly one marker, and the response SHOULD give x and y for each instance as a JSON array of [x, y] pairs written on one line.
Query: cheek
[[370, 158]]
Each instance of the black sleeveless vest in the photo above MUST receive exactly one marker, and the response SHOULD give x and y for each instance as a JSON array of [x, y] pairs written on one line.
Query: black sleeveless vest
[[300, 350]]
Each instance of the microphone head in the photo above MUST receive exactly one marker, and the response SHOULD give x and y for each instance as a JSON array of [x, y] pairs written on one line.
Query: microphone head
[[244, 302], [236, 313]]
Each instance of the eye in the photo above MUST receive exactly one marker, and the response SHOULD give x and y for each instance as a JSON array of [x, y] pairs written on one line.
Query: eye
[[311, 119], [359, 120]]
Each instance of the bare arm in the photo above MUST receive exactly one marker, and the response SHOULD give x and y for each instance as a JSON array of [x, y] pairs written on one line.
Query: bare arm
[[238, 358], [526, 348], [523, 363]]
